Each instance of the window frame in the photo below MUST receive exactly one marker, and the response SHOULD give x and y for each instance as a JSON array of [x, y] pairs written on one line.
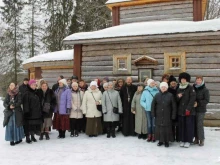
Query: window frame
[[116, 69]]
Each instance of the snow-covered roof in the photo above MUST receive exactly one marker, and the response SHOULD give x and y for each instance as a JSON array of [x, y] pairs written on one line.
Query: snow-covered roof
[[53, 56], [117, 1], [148, 28]]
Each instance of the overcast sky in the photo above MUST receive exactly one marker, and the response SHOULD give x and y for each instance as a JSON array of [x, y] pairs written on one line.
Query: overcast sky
[[1, 2]]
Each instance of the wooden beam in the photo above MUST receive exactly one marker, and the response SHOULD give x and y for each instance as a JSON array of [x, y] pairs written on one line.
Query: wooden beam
[[197, 10], [77, 62], [38, 73], [115, 16]]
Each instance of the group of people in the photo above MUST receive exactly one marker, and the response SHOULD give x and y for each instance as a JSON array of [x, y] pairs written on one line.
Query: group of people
[[165, 112]]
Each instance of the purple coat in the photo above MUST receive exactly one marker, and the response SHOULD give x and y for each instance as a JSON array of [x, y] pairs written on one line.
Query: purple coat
[[65, 101]]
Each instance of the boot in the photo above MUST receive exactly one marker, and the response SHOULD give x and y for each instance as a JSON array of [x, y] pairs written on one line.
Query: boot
[[149, 138], [33, 138], [108, 133], [113, 132], [18, 142], [144, 136], [63, 134], [160, 144], [60, 134], [201, 143], [28, 140], [76, 133], [72, 134], [153, 138], [196, 141], [140, 136], [41, 136], [47, 136], [167, 144], [12, 143]]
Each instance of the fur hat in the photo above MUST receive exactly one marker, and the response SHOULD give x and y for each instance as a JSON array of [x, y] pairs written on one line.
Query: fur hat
[[149, 81], [74, 77], [63, 81], [32, 81], [184, 75], [163, 84], [171, 79], [93, 83]]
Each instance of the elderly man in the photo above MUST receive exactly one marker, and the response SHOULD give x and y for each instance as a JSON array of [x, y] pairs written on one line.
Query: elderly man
[[127, 92]]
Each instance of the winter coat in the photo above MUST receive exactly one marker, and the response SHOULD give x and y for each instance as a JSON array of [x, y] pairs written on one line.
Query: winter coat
[[128, 121], [187, 101], [202, 98], [77, 97], [64, 103], [164, 109], [32, 105], [47, 98], [110, 99], [55, 87], [147, 97], [18, 110], [22, 89], [140, 115], [89, 103]]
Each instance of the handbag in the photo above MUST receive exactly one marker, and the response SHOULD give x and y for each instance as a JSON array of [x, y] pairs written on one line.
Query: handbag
[[99, 107], [115, 109]]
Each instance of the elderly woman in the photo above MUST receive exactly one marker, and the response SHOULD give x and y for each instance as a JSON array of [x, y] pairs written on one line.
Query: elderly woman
[[163, 108], [202, 99], [76, 114], [186, 97], [119, 84], [105, 87], [146, 100], [90, 106], [13, 116], [48, 103], [140, 116], [32, 112], [111, 107], [62, 109]]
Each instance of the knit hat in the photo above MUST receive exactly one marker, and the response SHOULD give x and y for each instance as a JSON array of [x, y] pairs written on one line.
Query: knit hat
[[26, 79], [149, 81], [184, 75], [74, 77], [63, 81], [106, 78], [32, 81], [163, 84], [172, 78], [93, 83]]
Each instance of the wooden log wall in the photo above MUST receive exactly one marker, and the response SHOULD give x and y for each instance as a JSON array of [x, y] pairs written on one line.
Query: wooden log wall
[[202, 58], [51, 75], [180, 10]]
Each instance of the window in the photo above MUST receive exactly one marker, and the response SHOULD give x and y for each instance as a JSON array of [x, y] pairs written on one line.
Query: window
[[122, 64], [174, 62]]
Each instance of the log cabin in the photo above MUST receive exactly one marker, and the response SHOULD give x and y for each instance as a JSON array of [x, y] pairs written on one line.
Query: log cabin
[[49, 66], [151, 38]]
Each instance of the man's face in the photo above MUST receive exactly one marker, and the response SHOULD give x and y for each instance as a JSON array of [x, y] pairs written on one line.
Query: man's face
[[81, 83], [26, 82], [129, 80]]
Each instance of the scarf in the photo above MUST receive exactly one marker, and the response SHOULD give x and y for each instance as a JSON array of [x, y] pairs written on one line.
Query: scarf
[[197, 86], [13, 92], [183, 86]]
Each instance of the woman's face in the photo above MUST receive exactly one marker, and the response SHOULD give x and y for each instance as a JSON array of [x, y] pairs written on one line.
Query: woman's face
[[69, 82], [163, 89], [140, 88], [183, 80], [33, 86], [75, 87], [44, 87], [120, 83], [61, 84], [199, 81], [12, 86], [173, 84], [152, 84], [110, 86], [93, 87], [105, 88]]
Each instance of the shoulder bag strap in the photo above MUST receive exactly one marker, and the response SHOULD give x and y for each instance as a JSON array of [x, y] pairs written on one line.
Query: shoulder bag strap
[[110, 99], [150, 93]]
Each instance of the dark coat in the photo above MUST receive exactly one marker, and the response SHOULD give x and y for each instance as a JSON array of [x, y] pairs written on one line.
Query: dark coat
[[202, 98], [22, 89], [187, 101], [128, 116], [164, 109], [17, 110], [55, 87], [32, 105], [50, 98]]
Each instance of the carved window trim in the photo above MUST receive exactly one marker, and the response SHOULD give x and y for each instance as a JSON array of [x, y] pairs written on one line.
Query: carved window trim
[[122, 71]]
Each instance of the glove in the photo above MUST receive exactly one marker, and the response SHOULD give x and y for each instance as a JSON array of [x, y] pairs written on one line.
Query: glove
[[68, 110], [187, 113]]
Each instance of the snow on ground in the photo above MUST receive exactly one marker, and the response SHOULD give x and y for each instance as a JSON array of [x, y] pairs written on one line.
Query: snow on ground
[[148, 28], [53, 56], [117, 1], [102, 151]]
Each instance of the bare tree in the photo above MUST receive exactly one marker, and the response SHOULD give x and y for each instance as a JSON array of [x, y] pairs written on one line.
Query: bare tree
[[212, 9]]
